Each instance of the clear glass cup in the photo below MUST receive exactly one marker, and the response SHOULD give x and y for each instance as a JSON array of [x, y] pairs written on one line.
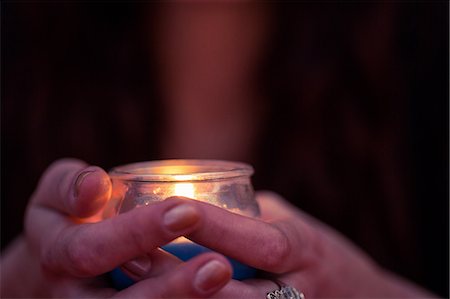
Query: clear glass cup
[[221, 183]]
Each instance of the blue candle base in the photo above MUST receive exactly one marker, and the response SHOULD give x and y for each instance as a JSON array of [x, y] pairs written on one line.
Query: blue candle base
[[120, 280], [185, 251]]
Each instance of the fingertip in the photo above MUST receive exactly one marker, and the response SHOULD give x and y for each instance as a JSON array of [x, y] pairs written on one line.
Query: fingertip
[[137, 268], [92, 189], [267, 195], [200, 277], [177, 199], [212, 275]]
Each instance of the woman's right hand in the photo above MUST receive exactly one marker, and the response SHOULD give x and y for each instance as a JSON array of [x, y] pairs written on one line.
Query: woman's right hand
[[66, 248]]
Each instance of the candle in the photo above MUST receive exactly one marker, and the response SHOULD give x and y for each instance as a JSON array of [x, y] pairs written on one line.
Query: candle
[[185, 250], [221, 183]]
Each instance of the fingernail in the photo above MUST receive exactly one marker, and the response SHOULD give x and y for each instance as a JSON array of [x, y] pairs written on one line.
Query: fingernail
[[211, 275], [79, 181], [139, 266], [181, 217]]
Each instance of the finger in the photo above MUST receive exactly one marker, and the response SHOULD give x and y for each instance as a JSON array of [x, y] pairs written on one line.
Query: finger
[[71, 187], [94, 248], [152, 264], [200, 277], [256, 288], [275, 247], [273, 206], [259, 288], [67, 287]]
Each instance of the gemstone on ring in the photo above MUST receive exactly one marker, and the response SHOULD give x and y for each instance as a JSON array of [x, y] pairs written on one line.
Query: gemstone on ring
[[285, 292]]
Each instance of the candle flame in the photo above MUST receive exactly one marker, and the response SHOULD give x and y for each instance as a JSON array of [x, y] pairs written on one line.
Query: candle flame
[[184, 189]]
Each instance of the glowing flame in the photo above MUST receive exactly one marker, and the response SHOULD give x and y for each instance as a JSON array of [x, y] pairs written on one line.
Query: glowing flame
[[184, 189]]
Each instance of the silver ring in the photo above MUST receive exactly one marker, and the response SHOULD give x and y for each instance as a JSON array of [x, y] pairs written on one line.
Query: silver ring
[[285, 292]]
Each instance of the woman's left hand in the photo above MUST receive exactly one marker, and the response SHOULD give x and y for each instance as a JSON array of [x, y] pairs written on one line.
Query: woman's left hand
[[297, 250]]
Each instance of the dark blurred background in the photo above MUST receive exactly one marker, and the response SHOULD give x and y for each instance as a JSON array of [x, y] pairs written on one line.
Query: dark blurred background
[[353, 98]]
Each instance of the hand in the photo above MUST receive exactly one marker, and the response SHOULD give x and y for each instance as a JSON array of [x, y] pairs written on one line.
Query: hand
[[297, 250], [65, 237]]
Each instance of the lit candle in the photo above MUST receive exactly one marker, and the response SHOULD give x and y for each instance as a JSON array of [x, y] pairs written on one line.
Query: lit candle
[[221, 183], [184, 189]]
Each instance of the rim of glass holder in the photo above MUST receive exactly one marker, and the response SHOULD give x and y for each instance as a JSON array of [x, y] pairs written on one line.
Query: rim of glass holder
[[181, 170]]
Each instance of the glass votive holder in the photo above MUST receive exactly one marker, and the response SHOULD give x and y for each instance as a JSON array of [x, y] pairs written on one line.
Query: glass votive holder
[[221, 183]]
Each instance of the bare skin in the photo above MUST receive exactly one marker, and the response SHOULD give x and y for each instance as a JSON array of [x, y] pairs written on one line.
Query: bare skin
[[65, 249], [74, 253], [64, 254]]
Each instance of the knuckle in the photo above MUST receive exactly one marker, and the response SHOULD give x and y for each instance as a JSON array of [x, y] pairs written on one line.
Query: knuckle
[[79, 259], [146, 222], [268, 196], [66, 161], [48, 260], [138, 240], [138, 237], [60, 166], [277, 252], [53, 176]]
